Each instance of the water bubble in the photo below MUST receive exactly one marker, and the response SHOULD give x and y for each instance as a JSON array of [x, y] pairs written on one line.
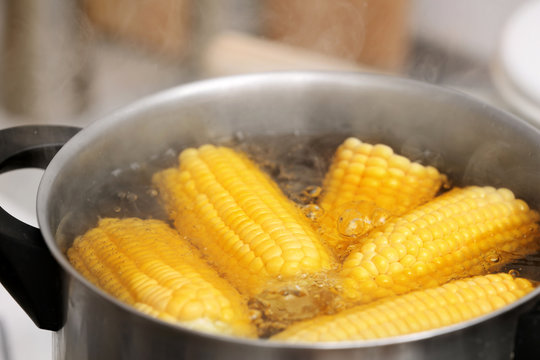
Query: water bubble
[[117, 209], [513, 273], [494, 258], [352, 223], [310, 194], [170, 152], [131, 197], [121, 195], [379, 217], [312, 191], [135, 166], [312, 211], [359, 217], [152, 192]]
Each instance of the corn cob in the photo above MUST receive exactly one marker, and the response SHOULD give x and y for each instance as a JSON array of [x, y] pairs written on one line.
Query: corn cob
[[371, 174], [464, 232], [421, 310], [239, 218], [148, 265], [374, 173]]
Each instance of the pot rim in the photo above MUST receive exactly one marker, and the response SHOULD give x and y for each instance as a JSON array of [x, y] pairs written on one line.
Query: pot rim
[[84, 137]]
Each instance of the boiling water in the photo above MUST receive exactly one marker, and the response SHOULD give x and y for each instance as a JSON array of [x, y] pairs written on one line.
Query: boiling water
[[298, 165]]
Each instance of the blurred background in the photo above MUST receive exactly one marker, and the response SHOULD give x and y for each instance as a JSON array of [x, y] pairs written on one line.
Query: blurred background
[[74, 61]]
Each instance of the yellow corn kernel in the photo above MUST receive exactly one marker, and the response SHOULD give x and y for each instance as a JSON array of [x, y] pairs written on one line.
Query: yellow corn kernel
[[379, 164], [239, 218], [372, 174], [420, 310], [475, 242], [148, 265]]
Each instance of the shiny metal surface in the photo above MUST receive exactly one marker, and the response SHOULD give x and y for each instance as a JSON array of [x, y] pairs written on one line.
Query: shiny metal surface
[[473, 143]]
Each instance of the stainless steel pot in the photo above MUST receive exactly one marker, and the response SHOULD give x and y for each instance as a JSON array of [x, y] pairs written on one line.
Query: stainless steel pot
[[470, 141]]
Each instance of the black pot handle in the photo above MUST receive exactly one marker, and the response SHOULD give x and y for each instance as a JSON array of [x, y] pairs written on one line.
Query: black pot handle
[[27, 269]]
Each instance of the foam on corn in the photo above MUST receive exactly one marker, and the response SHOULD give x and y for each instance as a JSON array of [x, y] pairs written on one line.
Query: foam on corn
[[147, 264], [239, 218], [362, 172], [422, 310], [464, 232]]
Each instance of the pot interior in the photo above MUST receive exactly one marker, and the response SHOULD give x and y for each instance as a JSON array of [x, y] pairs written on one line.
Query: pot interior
[[105, 169]]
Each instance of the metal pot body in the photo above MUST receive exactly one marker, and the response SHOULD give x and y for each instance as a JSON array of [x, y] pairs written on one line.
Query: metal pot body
[[472, 142]]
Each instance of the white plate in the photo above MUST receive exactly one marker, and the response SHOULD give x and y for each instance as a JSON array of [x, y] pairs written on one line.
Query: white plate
[[516, 70]]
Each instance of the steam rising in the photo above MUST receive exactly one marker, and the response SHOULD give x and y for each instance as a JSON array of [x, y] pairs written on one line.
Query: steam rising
[[486, 163], [371, 32], [332, 27]]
